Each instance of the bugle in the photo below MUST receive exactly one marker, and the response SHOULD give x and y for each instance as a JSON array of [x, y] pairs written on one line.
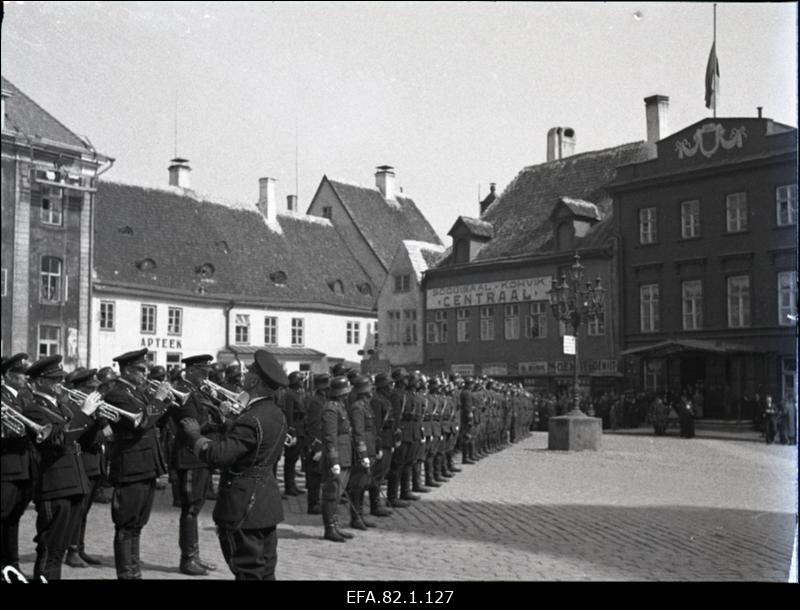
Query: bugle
[[236, 405], [105, 409], [180, 397], [17, 422]]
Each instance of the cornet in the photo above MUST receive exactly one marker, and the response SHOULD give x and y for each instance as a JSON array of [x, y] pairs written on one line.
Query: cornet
[[17, 422], [180, 397], [106, 410], [236, 405]]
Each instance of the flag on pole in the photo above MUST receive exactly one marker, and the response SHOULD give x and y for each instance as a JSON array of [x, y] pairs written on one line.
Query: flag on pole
[[712, 78]]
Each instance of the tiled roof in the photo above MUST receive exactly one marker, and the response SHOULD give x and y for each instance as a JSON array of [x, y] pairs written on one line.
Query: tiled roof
[[478, 228], [422, 255], [579, 207], [520, 215], [384, 224], [231, 252], [26, 117]]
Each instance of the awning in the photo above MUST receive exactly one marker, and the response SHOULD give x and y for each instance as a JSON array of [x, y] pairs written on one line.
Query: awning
[[245, 353], [674, 346]]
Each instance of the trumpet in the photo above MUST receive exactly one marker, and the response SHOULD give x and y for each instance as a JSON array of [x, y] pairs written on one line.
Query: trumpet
[[17, 422], [105, 409], [180, 397], [237, 406]]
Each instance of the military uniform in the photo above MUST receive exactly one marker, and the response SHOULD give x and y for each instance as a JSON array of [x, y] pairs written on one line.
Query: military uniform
[[312, 442], [388, 433], [249, 505], [294, 412], [17, 464], [364, 435], [136, 462], [337, 452], [467, 412]]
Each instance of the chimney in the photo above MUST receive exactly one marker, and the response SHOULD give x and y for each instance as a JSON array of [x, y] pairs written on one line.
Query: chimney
[[6, 94], [489, 199], [384, 180], [291, 203], [560, 143], [759, 108], [267, 201], [656, 107], [179, 173]]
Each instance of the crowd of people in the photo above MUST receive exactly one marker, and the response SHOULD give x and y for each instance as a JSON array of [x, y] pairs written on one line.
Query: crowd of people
[[387, 438]]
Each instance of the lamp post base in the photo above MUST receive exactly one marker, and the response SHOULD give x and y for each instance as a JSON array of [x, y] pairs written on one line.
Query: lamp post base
[[575, 432]]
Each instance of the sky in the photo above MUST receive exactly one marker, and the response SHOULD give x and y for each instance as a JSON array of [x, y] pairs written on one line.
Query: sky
[[454, 95]]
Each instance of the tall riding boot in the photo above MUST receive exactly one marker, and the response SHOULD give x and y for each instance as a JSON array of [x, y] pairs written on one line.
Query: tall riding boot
[[406, 474], [312, 488], [393, 489], [357, 498], [334, 516], [466, 453], [136, 561], [331, 533], [440, 473], [416, 479], [73, 559], [430, 481], [187, 541], [376, 507], [123, 558], [451, 467]]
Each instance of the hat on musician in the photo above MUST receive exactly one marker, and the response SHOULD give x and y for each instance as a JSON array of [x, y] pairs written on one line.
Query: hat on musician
[[136, 357], [202, 361], [158, 373], [48, 367], [79, 375], [14, 364], [233, 370], [382, 380], [266, 366]]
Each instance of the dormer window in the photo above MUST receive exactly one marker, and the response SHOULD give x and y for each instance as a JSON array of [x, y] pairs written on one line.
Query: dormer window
[[336, 286], [205, 270], [365, 289], [126, 230], [462, 251], [223, 245], [565, 236], [278, 278], [146, 264]]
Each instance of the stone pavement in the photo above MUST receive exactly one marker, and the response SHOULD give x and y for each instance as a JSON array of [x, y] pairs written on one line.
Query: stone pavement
[[643, 508]]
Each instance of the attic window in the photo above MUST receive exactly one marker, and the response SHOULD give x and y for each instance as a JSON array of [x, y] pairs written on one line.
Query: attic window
[[205, 270], [336, 286], [278, 278], [126, 230], [365, 288], [146, 264], [223, 245]]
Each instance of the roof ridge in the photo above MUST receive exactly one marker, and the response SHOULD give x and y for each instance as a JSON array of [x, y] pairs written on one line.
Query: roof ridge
[[184, 192], [585, 154]]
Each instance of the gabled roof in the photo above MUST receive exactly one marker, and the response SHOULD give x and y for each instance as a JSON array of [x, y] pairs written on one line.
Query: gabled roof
[[27, 118], [422, 255], [383, 224], [229, 252], [475, 227], [520, 216], [580, 208]]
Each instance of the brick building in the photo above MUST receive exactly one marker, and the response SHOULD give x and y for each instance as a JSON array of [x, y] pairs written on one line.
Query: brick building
[[49, 179], [709, 265]]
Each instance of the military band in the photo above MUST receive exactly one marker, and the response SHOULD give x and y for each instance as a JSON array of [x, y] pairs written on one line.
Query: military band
[[386, 438]]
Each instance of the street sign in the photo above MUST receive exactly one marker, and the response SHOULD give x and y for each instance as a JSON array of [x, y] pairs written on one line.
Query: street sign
[[569, 344]]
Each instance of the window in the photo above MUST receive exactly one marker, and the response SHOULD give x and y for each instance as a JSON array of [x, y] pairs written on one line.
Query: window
[[739, 301], [270, 330], [353, 333], [536, 322], [49, 340], [690, 219], [692, 297], [174, 320], [327, 211], [647, 226], [51, 279], [487, 323], [648, 307], [297, 331], [511, 321], [242, 329], [462, 325], [409, 326], [736, 212], [3, 279], [402, 283], [106, 315], [596, 326], [786, 200], [52, 205], [437, 330], [653, 375], [148, 319], [787, 297], [173, 361], [394, 327], [150, 358]]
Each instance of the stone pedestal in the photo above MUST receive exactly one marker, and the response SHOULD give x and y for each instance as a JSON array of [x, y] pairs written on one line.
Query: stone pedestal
[[575, 432]]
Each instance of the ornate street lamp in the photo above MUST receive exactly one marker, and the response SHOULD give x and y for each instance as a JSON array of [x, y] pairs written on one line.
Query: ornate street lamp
[[575, 304]]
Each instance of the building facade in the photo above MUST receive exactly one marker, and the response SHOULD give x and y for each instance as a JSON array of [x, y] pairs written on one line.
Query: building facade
[[709, 265], [49, 177]]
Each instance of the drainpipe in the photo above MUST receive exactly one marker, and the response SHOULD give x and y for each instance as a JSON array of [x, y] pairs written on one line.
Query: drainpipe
[[227, 309]]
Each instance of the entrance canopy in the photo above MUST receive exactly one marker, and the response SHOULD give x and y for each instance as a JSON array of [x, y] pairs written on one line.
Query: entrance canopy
[[675, 346]]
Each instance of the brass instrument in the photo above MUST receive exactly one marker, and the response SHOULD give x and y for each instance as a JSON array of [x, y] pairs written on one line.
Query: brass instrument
[[180, 397], [17, 422], [105, 409], [236, 405]]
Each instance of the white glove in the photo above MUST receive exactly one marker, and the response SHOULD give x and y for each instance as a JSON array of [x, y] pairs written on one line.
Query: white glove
[[380, 455], [91, 403], [336, 469], [163, 391], [317, 456], [365, 462], [108, 433]]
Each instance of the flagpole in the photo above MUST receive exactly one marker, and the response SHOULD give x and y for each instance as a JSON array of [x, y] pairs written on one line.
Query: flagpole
[[715, 46]]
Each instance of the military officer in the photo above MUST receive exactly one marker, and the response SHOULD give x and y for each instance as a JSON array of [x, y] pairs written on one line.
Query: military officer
[[364, 434], [193, 473], [62, 481], [136, 460], [388, 437], [467, 411], [84, 380], [17, 462], [313, 441], [336, 459], [249, 506], [294, 413]]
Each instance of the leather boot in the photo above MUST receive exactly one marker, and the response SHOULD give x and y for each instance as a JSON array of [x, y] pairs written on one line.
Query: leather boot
[[187, 541], [88, 558], [330, 530], [73, 559], [136, 561], [451, 464], [416, 479], [375, 506], [405, 484], [357, 499], [429, 477], [440, 466], [123, 559]]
